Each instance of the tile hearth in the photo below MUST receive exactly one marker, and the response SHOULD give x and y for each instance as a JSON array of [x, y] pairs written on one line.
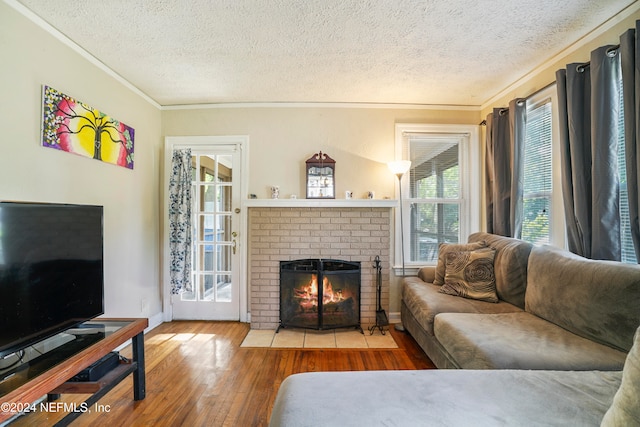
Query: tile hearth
[[300, 338]]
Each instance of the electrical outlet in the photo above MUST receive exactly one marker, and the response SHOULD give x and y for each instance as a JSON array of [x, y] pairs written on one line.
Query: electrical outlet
[[144, 306]]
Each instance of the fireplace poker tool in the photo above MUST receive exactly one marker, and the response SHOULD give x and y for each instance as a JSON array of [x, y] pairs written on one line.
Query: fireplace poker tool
[[381, 315]]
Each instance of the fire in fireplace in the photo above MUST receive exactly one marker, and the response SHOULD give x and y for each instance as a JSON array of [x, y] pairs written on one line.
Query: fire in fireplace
[[319, 294]]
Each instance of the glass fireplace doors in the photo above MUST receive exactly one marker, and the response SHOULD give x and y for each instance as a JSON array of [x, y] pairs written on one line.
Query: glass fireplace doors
[[319, 294]]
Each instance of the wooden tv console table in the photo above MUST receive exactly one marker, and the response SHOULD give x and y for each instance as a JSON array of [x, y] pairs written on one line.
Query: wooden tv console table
[[50, 374]]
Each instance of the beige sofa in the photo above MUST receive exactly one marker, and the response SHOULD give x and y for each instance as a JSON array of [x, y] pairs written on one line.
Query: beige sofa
[[550, 352], [555, 311], [461, 397]]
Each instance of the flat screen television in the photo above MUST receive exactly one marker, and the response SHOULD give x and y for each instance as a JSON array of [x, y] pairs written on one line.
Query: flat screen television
[[51, 270]]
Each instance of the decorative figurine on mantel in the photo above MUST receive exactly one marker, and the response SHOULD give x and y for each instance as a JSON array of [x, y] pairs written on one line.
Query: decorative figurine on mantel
[[321, 182]]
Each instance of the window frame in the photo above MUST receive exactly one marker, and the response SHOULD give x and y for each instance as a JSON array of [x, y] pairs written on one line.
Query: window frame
[[470, 185], [557, 224], [533, 104], [627, 249]]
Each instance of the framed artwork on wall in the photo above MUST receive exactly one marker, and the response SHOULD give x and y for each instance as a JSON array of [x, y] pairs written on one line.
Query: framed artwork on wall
[[72, 126]]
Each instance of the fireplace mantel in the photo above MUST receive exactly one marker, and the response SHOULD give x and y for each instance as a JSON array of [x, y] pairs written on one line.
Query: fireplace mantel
[[320, 203]]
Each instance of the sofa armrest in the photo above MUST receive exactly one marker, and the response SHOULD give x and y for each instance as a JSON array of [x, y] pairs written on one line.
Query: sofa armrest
[[427, 274]]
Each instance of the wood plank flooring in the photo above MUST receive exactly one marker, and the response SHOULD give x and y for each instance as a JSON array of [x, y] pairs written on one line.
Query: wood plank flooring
[[198, 375]]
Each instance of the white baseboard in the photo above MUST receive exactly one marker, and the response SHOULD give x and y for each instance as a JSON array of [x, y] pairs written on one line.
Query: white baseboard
[[155, 321], [394, 317]]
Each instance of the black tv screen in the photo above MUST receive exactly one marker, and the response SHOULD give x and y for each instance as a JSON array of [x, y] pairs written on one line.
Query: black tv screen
[[51, 270]]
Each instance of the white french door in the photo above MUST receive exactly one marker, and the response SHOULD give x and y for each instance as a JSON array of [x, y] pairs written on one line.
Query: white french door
[[216, 255]]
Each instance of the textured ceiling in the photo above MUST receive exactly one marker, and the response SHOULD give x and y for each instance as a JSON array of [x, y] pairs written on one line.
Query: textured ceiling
[[457, 52]]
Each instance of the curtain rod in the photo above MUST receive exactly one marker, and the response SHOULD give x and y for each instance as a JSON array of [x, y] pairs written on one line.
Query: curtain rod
[[545, 87], [611, 51]]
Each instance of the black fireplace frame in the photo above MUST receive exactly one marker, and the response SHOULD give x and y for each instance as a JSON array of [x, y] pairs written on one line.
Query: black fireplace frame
[[322, 268]]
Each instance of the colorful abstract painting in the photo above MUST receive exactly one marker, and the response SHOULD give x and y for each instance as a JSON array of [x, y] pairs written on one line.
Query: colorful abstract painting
[[72, 126]]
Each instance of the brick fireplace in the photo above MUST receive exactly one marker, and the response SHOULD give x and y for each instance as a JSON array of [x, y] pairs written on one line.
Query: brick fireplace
[[352, 231]]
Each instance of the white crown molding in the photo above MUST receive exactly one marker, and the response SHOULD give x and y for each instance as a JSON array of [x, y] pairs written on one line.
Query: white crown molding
[[597, 32], [390, 106], [27, 13], [92, 59], [622, 15]]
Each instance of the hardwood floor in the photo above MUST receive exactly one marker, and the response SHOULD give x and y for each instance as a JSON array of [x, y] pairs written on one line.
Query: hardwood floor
[[198, 375]]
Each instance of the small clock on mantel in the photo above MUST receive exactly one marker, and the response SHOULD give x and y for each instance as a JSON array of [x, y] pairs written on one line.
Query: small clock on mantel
[[321, 172]]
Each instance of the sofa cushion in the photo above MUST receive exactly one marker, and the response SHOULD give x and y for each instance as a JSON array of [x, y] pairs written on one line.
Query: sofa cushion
[[520, 341], [425, 301], [510, 265], [427, 274], [444, 398], [598, 300], [625, 410], [445, 248], [469, 274]]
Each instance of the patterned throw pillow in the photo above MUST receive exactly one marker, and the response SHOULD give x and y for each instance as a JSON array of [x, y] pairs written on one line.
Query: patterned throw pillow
[[470, 274], [445, 248]]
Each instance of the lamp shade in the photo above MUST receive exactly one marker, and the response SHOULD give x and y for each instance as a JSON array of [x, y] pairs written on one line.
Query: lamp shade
[[399, 167]]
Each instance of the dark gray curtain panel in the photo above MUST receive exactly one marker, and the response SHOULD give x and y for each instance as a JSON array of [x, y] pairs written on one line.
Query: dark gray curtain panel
[[589, 99], [630, 61], [576, 203], [505, 133]]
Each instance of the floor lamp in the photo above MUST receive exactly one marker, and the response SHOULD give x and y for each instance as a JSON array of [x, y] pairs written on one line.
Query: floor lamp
[[399, 168]]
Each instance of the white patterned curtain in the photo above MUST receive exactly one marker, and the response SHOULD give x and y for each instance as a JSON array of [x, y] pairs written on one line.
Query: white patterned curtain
[[180, 222]]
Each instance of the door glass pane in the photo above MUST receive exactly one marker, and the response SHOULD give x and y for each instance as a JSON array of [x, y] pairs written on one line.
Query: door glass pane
[[224, 199], [207, 291], [224, 226], [207, 228], [207, 258], [224, 258], [208, 197], [224, 167], [223, 288]]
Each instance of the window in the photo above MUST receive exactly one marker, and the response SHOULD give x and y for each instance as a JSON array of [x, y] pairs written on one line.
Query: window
[[543, 211], [537, 176], [434, 192], [628, 251], [438, 205]]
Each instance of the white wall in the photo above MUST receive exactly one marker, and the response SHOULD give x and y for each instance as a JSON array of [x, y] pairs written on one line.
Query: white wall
[[32, 57], [360, 140]]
